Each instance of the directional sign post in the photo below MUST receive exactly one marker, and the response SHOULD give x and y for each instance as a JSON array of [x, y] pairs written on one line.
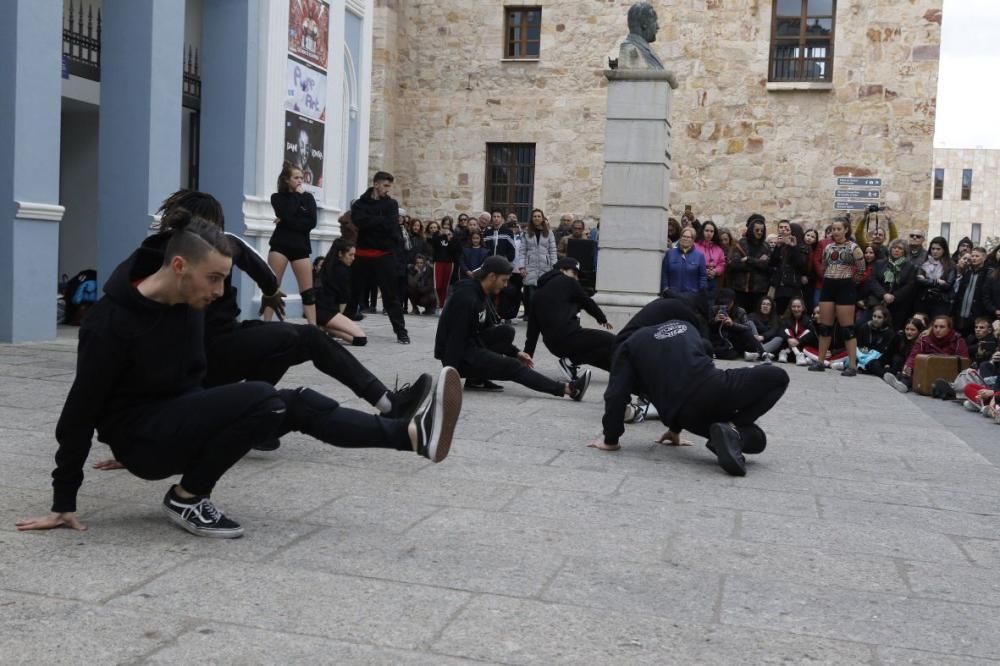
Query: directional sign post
[[850, 205], [859, 182], [857, 194]]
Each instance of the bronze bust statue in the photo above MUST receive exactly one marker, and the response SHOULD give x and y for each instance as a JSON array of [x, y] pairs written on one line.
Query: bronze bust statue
[[635, 52]]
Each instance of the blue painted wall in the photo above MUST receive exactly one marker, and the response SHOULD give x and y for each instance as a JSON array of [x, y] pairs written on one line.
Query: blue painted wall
[[30, 75], [229, 114], [142, 45]]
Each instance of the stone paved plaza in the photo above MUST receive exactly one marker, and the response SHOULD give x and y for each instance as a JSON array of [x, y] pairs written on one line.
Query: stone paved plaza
[[865, 534]]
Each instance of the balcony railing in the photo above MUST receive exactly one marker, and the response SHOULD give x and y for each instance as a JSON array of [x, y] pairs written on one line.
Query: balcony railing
[[82, 52]]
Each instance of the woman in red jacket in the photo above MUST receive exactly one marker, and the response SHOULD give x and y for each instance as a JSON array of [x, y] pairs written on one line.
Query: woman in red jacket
[[942, 341]]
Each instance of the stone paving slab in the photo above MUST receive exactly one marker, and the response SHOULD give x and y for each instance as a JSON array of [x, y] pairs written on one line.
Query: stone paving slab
[[866, 535]]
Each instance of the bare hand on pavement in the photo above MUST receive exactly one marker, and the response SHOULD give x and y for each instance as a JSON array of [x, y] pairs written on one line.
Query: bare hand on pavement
[[50, 521], [672, 439], [599, 444]]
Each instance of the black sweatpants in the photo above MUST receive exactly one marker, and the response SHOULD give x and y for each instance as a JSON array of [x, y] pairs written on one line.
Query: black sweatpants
[[491, 362], [740, 396], [381, 271], [264, 351], [509, 301], [201, 434], [587, 346]]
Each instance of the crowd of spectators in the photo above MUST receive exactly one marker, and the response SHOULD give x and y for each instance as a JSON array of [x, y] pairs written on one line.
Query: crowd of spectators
[[897, 297]]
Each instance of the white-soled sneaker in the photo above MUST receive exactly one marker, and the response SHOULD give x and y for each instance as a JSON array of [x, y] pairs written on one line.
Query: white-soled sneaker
[[751, 357], [435, 420], [971, 406], [578, 387], [569, 368], [783, 356], [199, 516]]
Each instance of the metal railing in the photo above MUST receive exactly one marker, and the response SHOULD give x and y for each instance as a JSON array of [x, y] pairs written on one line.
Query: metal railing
[[82, 47]]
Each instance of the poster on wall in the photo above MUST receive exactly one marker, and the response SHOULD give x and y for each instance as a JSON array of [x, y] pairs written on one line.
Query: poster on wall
[[309, 30], [304, 149], [305, 90]]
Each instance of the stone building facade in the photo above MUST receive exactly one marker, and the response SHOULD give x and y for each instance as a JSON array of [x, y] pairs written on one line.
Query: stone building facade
[[965, 195], [442, 90]]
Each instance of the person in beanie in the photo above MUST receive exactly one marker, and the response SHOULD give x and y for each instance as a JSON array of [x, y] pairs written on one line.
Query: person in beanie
[[471, 339], [560, 298]]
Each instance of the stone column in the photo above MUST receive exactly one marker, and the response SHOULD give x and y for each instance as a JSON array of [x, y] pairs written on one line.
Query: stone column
[[229, 107], [30, 57], [636, 190], [139, 149]]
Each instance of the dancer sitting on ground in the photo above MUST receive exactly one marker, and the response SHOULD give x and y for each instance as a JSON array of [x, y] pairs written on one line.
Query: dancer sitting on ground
[[668, 363], [731, 331], [296, 217], [140, 368], [943, 340], [334, 291], [559, 299], [470, 338], [258, 351]]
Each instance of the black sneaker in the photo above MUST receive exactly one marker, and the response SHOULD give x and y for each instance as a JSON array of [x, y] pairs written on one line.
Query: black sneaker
[[569, 368], [403, 339], [357, 316], [407, 399], [816, 366], [437, 417], [200, 517], [724, 441], [267, 445], [578, 387], [849, 371], [482, 385]]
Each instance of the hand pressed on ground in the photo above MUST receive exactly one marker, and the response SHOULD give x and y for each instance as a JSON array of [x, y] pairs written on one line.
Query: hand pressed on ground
[[599, 444], [51, 521], [672, 439]]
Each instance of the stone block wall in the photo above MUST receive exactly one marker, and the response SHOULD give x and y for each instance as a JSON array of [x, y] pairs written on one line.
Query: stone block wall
[[443, 90]]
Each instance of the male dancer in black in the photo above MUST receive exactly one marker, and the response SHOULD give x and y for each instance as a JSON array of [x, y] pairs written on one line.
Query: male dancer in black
[[376, 215], [262, 351], [470, 339], [669, 364], [555, 313], [140, 368]]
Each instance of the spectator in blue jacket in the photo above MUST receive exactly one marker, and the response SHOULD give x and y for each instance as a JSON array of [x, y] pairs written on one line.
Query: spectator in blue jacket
[[684, 267]]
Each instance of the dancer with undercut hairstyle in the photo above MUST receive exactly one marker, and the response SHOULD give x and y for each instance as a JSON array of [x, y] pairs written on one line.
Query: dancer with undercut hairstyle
[[260, 351], [140, 369]]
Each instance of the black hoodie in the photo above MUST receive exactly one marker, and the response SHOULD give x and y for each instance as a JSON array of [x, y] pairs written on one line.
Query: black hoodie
[[377, 221], [662, 362], [692, 308], [133, 353], [466, 313], [555, 310]]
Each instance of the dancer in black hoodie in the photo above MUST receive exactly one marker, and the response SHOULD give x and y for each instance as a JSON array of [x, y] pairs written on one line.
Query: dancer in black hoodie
[[258, 351], [376, 215], [559, 299], [669, 364], [140, 367], [471, 339]]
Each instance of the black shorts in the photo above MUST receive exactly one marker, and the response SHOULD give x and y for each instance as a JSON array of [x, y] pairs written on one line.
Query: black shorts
[[291, 253], [840, 291], [324, 316]]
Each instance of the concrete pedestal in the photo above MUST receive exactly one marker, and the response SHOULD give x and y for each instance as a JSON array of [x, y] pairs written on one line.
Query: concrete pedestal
[[636, 190]]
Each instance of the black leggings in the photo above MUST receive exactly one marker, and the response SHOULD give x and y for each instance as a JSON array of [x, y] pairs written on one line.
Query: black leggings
[[491, 362], [740, 396], [587, 346], [264, 351], [201, 434]]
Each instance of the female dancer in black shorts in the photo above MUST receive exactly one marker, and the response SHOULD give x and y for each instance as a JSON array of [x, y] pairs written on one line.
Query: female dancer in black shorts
[[843, 261], [295, 210]]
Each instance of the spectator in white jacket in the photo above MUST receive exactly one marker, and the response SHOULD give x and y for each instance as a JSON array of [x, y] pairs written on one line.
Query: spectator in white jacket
[[539, 253]]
